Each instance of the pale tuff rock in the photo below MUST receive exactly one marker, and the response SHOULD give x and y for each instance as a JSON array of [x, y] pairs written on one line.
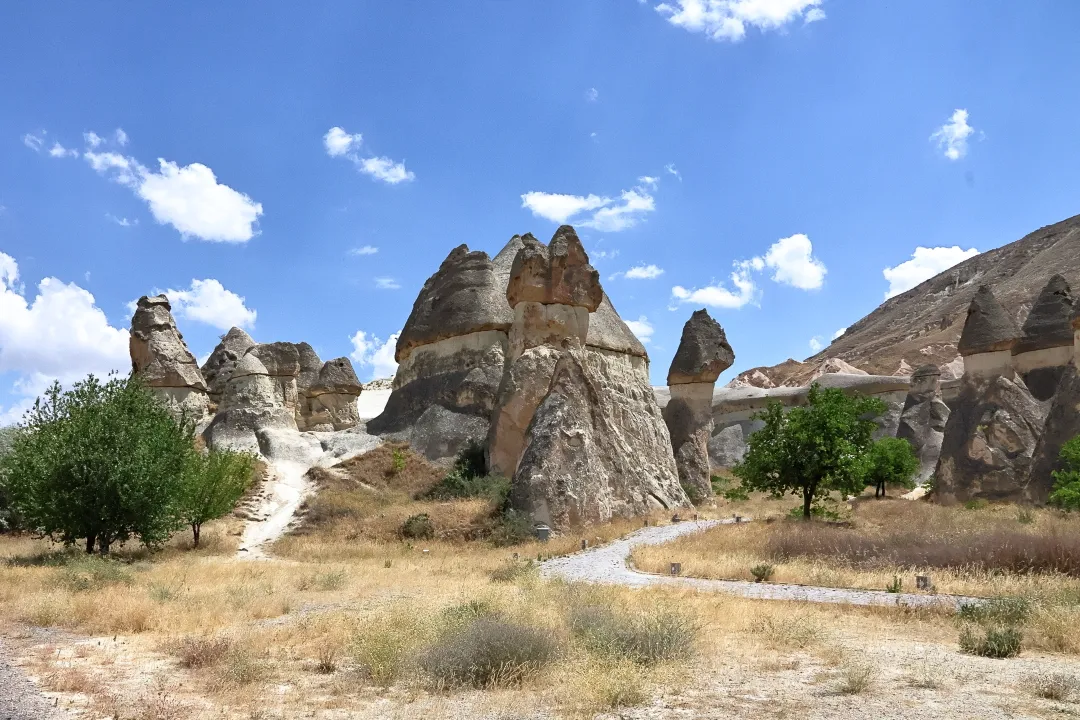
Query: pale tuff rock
[[995, 422], [331, 399], [217, 368], [577, 427], [253, 400], [922, 422], [1046, 346], [703, 354], [161, 359], [451, 355], [596, 447]]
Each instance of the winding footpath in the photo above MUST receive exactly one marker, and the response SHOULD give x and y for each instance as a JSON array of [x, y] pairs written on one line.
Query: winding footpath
[[608, 564]]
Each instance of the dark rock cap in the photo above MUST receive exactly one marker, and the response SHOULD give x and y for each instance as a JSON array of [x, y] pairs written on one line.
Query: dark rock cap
[[558, 274], [703, 352], [463, 296], [988, 327], [337, 376], [1049, 324], [281, 359]]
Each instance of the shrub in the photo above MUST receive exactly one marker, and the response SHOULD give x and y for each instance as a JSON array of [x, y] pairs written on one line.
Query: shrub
[[1066, 491], [397, 460], [102, 462], [200, 652], [1024, 516], [384, 647], [797, 630], [890, 461], [212, 485], [512, 528], [1054, 686], [488, 653], [646, 638], [991, 642], [327, 660], [895, 586], [1000, 610], [513, 570], [467, 612], [418, 527], [855, 678], [762, 571]]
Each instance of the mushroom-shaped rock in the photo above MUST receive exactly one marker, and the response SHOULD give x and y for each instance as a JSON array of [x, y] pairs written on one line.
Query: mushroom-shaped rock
[[988, 327], [703, 351], [161, 359], [217, 368], [559, 274], [1046, 346], [703, 354], [332, 398], [251, 403]]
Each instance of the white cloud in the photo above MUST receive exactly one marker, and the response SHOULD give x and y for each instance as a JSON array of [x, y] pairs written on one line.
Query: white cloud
[[93, 139], [122, 222], [672, 170], [839, 332], [370, 351], [793, 263], [339, 143], [121, 137], [606, 214], [387, 283], [644, 272], [952, 137], [60, 334], [59, 151], [718, 295], [592, 94], [597, 254], [192, 200], [815, 343], [34, 142], [642, 328], [365, 250], [924, 264], [385, 169], [729, 19], [207, 301]]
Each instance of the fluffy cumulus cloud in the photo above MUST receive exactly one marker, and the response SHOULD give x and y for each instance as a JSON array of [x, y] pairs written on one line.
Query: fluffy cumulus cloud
[[365, 250], [643, 272], [791, 259], [189, 198], [793, 263], [952, 137], [599, 212], [207, 301], [371, 352], [924, 264], [339, 143], [642, 328], [387, 283], [730, 19], [58, 334]]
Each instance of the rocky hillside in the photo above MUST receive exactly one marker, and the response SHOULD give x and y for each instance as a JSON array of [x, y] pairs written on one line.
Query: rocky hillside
[[923, 324]]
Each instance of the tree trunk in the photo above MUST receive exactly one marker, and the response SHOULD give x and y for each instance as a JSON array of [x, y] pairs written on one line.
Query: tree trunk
[[90, 541], [195, 529], [103, 546], [807, 501]]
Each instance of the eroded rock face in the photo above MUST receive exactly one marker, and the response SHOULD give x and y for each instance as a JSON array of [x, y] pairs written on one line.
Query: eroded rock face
[[988, 327], [576, 426], [922, 422], [1045, 348], [989, 441], [253, 400], [331, 397], [451, 355], [703, 354], [161, 359], [596, 446], [219, 366], [1062, 424]]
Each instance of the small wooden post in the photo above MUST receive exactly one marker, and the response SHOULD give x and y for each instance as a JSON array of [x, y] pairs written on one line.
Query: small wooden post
[[738, 519], [676, 568], [584, 544], [922, 582]]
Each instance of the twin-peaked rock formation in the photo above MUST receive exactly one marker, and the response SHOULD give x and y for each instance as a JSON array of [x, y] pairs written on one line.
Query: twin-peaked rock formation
[[246, 390], [703, 354], [525, 353]]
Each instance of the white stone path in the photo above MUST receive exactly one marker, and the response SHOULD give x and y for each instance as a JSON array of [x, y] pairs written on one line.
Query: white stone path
[[608, 564]]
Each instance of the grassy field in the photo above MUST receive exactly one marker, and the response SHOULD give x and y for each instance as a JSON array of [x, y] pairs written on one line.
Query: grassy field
[[350, 619]]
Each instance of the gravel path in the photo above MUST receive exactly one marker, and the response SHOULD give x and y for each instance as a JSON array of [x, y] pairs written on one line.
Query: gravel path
[[608, 564], [19, 698]]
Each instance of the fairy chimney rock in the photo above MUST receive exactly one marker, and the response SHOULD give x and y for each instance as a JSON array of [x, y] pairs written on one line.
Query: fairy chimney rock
[[162, 360], [988, 337], [1046, 346]]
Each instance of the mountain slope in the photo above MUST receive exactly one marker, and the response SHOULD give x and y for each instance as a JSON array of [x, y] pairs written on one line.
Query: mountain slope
[[923, 324]]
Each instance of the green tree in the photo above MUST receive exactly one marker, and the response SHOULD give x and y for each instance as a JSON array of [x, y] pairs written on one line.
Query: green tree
[[212, 485], [8, 519], [1066, 491], [101, 463], [890, 460], [811, 450]]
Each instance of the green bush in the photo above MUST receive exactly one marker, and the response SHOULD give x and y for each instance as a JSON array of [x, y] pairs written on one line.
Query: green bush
[[890, 461], [398, 458], [895, 586], [1066, 491], [488, 653], [213, 484], [468, 478], [992, 642], [1000, 610], [102, 463], [762, 571], [418, 527], [647, 638], [512, 528]]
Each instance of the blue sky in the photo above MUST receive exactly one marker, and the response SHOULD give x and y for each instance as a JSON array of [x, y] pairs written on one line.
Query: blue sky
[[807, 146]]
